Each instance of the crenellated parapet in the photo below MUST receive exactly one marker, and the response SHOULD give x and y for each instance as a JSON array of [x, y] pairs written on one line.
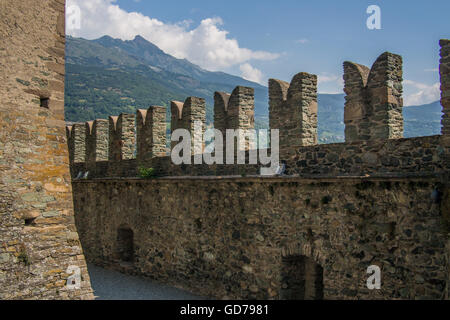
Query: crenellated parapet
[[293, 110], [122, 137], [185, 115], [120, 146], [76, 137], [373, 107], [151, 133], [221, 100], [241, 109], [356, 101], [103, 147], [97, 142], [386, 101], [234, 111]]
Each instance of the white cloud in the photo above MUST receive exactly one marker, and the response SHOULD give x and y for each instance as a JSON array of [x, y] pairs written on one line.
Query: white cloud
[[207, 45], [328, 77], [417, 93], [330, 83], [431, 70], [302, 41], [252, 74]]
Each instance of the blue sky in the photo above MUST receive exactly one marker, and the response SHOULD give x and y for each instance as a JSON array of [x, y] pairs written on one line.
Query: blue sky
[[268, 39]]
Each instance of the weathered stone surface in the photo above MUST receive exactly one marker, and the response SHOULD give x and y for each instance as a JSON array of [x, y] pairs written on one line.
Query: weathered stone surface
[[185, 115], [122, 137], [373, 107], [306, 237], [293, 111], [234, 237], [251, 238], [36, 205], [97, 142], [151, 133], [235, 111], [76, 135], [412, 156]]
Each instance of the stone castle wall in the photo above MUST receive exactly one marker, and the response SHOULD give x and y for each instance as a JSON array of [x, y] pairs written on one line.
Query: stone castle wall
[[423, 156], [377, 199], [373, 119], [230, 237], [38, 238], [412, 156]]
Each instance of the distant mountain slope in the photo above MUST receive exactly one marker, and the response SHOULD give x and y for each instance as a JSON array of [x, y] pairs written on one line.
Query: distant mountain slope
[[97, 92], [423, 120], [148, 53], [330, 118], [108, 76], [143, 65]]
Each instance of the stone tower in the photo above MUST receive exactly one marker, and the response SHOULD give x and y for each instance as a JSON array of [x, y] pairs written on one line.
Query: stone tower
[[39, 244]]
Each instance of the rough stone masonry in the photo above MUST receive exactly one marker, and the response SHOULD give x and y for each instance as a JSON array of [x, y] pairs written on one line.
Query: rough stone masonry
[[38, 238], [237, 238], [375, 200], [373, 108], [223, 231]]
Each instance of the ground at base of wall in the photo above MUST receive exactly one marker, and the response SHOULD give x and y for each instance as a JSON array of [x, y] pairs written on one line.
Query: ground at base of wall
[[113, 285]]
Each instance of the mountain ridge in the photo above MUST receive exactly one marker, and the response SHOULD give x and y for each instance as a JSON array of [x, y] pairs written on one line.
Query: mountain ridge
[[140, 59]]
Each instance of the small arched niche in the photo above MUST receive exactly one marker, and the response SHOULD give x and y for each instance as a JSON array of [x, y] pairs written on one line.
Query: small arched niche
[[125, 244], [301, 279]]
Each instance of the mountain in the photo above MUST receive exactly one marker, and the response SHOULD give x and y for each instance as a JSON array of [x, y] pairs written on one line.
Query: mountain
[[148, 53], [109, 76], [423, 120], [330, 118]]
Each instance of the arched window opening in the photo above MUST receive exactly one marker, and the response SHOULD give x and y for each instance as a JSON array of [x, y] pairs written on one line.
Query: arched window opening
[[301, 279], [125, 244]]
